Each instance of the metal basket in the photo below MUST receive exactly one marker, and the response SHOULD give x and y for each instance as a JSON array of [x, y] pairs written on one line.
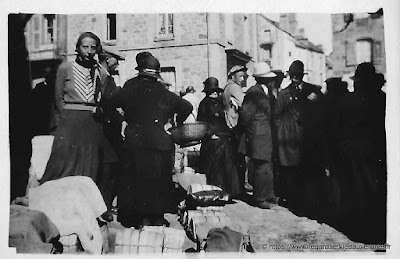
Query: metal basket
[[189, 134]]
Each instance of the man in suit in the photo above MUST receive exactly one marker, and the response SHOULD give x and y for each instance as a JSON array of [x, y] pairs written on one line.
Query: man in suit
[[299, 118], [256, 119]]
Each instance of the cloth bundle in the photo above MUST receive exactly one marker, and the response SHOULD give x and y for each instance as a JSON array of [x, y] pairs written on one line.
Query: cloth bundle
[[73, 204], [31, 231]]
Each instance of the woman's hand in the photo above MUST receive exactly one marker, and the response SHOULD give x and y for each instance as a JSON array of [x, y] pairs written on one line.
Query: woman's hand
[[124, 125], [167, 126]]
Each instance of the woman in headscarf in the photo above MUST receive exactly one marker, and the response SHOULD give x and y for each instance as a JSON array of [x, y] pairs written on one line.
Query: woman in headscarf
[[78, 142], [145, 184], [216, 154]]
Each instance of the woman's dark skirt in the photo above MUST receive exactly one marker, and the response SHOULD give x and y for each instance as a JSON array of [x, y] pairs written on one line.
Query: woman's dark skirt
[[218, 164], [77, 147], [145, 186]]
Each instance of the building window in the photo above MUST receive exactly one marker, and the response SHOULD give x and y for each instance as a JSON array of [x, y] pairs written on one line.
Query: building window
[[349, 54], [169, 76], [111, 26], [42, 32], [378, 51], [165, 25], [364, 50], [49, 27]]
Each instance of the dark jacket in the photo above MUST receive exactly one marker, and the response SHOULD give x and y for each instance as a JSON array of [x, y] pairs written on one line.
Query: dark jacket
[[300, 124], [255, 118], [211, 111], [148, 106]]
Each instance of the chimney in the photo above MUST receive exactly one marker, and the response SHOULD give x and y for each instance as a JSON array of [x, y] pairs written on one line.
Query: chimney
[[302, 33], [288, 22]]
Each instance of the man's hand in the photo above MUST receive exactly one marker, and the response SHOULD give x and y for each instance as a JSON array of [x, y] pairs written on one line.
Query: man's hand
[[312, 97], [214, 136]]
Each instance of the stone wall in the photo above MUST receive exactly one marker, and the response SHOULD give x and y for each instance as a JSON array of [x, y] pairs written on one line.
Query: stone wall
[[365, 28]]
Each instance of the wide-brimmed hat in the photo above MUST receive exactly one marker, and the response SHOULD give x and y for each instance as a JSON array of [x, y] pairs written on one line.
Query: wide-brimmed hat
[[190, 89], [211, 84], [109, 52], [151, 67], [279, 73], [140, 57], [236, 69], [262, 69], [364, 71], [297, 67]]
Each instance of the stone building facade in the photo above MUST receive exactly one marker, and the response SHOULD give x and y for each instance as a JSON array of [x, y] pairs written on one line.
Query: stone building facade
[[282, 42], [357, 38], [190, 46]]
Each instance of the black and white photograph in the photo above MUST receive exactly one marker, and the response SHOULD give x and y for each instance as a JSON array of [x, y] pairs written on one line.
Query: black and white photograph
[[260, 128]]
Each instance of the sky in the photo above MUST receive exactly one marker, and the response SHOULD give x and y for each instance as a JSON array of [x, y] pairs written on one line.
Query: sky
[[318, 29]]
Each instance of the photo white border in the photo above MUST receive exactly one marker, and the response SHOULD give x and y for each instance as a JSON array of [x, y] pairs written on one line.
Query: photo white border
[[392, 45]]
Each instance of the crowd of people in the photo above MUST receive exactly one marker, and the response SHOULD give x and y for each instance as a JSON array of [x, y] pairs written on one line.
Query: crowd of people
[[296, 146]]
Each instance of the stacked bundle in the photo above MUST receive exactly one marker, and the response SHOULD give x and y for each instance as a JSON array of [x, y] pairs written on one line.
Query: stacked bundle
[[133, 241], [203, 210], [149, 239]]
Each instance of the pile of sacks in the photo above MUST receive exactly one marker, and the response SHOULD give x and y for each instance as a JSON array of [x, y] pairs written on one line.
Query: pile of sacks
[[206, 223]]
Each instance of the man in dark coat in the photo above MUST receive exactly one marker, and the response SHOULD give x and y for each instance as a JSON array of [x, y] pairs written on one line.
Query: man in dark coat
[[112, 120], [256, 142], [299, 114], [361, 139], [145, 186]]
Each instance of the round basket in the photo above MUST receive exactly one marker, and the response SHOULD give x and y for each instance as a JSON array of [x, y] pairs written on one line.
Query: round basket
[[189, 134]]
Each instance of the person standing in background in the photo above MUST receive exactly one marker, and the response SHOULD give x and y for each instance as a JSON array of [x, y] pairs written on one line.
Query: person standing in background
[[145, 186], [194, 101], [112, 121], [232, 98], [216, 154], [299, 114], [255, 118]]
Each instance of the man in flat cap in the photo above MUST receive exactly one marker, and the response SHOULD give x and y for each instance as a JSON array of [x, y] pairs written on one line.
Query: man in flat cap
[[112, 120], [232, 98]]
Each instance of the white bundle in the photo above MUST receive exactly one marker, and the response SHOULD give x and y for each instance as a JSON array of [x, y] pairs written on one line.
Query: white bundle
[[193, 188]]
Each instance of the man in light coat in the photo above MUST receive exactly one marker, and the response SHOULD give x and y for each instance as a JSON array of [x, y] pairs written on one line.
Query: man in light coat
[[232, 98]]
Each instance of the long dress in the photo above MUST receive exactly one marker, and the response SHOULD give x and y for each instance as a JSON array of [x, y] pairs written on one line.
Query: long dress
[[145, 185], [216, 155], [78, 142]]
